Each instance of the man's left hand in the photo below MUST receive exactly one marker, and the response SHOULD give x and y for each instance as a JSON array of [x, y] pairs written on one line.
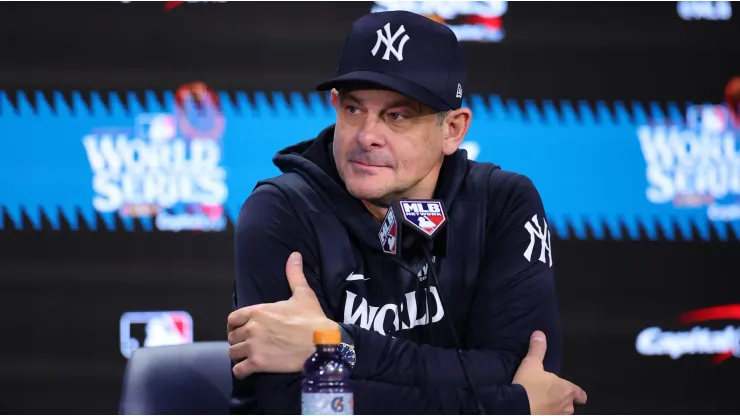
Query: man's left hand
[[277, 337]]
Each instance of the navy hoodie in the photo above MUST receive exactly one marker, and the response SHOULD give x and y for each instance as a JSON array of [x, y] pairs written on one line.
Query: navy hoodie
[[496, 280]]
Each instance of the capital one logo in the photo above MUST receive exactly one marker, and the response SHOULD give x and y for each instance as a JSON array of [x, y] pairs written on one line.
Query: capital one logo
[[389, 40], [171, 5], [538, 233], [700, 339]]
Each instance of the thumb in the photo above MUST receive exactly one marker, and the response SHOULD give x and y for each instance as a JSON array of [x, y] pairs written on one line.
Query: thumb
[[294, 273], [537, 346]]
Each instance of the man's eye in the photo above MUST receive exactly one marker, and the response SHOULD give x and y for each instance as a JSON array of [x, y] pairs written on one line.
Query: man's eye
[[396, 116], [351, 109]]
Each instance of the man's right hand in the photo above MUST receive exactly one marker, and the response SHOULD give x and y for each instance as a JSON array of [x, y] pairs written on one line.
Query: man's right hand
[[548, 394]]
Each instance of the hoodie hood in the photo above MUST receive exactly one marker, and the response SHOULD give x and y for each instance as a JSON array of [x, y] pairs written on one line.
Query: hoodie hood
[[314, 161]]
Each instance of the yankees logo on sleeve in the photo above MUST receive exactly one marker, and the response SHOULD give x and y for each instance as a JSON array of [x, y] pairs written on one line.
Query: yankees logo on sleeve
[[538, 235]]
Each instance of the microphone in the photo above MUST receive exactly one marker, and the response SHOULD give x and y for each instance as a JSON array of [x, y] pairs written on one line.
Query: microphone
[[415, 229]]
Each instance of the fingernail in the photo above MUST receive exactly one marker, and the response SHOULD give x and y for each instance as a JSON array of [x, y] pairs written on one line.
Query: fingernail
[[295, 258], [537, 337]]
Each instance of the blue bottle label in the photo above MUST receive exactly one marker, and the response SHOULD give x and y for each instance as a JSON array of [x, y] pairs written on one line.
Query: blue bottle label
[[327, 404]]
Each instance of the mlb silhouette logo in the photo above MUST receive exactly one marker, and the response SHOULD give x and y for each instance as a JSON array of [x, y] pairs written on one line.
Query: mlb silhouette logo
[[156, 127], [427, 216], [152, 329], [708, 118]]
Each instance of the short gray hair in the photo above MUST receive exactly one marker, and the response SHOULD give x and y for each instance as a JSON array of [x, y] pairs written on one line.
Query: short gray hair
[[441, 116]]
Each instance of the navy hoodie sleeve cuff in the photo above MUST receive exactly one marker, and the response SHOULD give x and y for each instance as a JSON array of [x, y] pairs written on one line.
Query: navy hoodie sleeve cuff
[[519, 400], [509, 399]]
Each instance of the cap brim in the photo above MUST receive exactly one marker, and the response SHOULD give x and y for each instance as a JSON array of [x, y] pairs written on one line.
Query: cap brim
[[400, 85]]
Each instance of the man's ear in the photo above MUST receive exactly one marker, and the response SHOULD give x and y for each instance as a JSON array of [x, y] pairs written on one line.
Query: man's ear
[[456, 125], [334, 99]]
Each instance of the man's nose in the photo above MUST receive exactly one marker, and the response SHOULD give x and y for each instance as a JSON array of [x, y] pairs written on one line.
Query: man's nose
[[370, 135]]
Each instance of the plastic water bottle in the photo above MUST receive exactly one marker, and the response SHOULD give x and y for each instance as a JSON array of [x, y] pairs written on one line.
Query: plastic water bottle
[[326, 389]]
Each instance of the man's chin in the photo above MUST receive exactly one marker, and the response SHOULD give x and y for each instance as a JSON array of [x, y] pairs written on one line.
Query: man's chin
[[373, 195]]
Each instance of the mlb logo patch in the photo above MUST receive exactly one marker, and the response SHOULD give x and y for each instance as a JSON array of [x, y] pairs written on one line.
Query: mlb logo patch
[[388, 234], [427, 216], [152, 329], [708, 118], [158, 128]]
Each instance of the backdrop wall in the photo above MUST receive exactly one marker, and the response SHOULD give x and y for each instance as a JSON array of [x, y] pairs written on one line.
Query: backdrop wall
[[622, 116]]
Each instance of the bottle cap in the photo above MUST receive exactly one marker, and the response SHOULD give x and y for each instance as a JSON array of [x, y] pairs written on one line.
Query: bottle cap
[[327, 337]]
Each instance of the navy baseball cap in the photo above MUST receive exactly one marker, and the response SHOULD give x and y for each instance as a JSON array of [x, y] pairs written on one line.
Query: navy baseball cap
[[404, 52]]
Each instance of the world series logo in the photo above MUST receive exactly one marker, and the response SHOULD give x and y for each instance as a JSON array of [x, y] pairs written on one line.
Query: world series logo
[[388, 234]]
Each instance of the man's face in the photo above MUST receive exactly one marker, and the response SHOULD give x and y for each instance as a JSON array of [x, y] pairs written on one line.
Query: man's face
[[387, 145]]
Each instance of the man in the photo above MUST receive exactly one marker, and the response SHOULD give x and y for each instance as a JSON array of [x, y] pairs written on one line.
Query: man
[[308, 255]]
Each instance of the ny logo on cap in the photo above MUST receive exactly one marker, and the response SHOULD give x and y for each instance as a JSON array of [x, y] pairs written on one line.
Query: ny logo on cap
[[389, 40]]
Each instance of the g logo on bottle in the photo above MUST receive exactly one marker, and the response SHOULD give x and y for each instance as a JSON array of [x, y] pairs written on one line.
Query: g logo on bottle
[[337, 405]]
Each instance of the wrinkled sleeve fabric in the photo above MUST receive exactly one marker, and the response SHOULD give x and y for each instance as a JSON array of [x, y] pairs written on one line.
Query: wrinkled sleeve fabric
[[520, 296], [515, 296], [267, 232]]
